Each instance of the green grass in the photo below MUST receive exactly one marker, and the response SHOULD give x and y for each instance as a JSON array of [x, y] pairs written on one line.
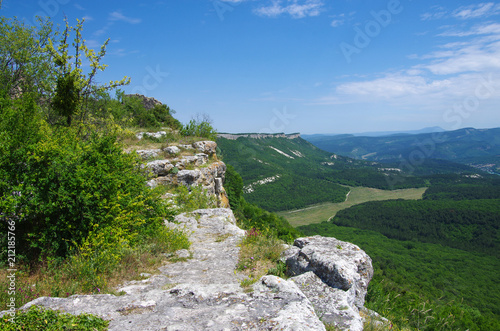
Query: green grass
[[259, 255], [37, 318], [324, 211]]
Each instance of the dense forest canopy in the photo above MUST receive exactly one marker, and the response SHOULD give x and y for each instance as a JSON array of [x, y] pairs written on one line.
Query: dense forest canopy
[[439, 255]]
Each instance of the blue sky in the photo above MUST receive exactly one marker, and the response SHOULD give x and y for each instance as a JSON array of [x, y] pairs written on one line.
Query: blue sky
[[309, 66]]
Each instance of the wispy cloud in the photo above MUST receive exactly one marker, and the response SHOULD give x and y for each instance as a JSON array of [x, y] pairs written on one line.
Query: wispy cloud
[[118, 16], [477, 10], [437, 12], [463, 61], [480, 10], [294, 8], [114, 17]]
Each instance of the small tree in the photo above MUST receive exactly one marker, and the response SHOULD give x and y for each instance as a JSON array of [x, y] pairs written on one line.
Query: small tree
[[74, 87]]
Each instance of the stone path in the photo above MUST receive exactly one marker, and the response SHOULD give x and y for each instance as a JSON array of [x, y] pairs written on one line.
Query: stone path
[[201, 293]]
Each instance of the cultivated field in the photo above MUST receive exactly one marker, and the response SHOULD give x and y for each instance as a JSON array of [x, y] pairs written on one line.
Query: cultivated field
[[324, 211]]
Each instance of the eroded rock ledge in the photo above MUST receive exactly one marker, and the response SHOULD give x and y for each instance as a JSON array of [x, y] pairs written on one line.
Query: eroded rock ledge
[[204, 292]]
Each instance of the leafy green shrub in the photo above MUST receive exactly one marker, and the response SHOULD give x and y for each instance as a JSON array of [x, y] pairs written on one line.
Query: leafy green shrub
[[199, 128], [70, 192], [37, 318], [133, 108], [193, 198]]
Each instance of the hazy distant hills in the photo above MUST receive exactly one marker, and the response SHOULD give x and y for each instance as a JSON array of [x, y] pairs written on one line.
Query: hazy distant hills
[[378, 133], [476, 147]]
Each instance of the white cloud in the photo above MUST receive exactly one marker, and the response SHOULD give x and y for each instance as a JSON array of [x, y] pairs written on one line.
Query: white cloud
[[462, 68], [437, 12], [477, 10], [118, 16], [477, 50], [294, 8], [336, 23], [482, 29]]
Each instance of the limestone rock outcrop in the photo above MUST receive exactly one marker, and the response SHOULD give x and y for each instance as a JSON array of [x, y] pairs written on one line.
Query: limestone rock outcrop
[[188, 170], [203, 291], [334, 275], [147, 102], [338, 264]]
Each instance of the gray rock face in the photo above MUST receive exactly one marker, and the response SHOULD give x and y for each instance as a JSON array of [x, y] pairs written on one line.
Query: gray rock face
[[201, 293], [174, 150], [160, 167], [149, 153], [207, 147], [147, 102], [337, 263], [331, 304], [156, 135]]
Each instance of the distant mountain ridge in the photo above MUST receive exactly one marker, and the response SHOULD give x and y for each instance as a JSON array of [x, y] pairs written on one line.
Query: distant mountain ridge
[[378, 133], [476, 147], [234, 136]]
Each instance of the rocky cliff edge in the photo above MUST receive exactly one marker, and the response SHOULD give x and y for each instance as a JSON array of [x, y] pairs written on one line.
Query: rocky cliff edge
[[202, 291]]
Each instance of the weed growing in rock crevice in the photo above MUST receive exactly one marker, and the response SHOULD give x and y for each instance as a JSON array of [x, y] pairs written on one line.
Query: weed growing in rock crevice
[[259, 254]]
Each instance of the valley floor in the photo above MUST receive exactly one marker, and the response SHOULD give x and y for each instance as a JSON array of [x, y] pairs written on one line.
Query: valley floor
[[325, 211]]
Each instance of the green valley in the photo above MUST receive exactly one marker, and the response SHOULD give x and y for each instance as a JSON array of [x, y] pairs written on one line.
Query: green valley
[[284, 174], [432, 229], [324, 211]]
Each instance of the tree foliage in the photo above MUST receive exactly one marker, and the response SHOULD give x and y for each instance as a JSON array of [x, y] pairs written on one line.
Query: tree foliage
[[251, 216], [24, 62], [74, 87], [71, 190], [200, 126], [436, 260]]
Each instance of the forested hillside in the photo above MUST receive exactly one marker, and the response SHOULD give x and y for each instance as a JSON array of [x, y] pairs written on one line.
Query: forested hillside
[[437, 257], [478, 147], [280, 173]]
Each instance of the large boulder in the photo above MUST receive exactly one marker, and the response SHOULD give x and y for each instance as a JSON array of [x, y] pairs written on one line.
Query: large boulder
[[338, 264], [207, 147], [147, 102], [332, 304], [160, 167]]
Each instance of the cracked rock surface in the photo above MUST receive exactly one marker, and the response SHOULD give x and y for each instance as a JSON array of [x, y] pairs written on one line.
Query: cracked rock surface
[[201, 293]]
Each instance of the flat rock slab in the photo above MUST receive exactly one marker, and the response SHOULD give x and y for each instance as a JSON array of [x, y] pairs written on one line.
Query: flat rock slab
[[200, 293]]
